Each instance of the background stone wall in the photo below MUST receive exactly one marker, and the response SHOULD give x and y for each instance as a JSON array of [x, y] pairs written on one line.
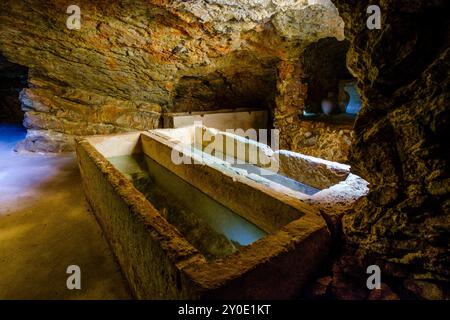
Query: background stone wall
[[325, 64], [133, 60]]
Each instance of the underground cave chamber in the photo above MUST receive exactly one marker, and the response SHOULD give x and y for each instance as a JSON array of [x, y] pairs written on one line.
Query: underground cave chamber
[[225, 205], [13, 78], [229, 149]]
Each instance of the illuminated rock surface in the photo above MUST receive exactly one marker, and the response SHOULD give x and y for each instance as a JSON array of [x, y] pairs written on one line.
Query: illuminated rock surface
[[132, 60]]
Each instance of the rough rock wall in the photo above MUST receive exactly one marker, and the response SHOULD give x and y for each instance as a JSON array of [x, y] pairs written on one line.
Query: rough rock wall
[[401, 137], [300, 79], [132, 59]]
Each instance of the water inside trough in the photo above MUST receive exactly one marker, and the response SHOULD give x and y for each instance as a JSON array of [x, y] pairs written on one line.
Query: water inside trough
[[215, 230]]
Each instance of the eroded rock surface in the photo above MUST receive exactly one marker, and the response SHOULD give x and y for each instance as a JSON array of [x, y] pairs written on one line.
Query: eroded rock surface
[[210, 243], [401, 137]]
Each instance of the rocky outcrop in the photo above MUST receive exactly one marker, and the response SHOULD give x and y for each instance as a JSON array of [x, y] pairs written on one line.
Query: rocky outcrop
[[133, 60], [302, 84], [400, 138]]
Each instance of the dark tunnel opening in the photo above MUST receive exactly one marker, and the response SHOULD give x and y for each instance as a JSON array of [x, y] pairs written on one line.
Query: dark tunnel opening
[[13, 78]]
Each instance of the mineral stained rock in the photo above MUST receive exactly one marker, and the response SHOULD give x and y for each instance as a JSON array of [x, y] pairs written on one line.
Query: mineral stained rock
[[12, 79], [401, 137], [132, 60]]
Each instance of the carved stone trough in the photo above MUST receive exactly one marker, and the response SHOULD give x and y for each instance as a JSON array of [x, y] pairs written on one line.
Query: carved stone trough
[[157, 259]]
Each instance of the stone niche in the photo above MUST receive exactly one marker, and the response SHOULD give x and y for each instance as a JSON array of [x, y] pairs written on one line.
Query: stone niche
[[319, 73], [242, 80], [401, 143], [325, 72]]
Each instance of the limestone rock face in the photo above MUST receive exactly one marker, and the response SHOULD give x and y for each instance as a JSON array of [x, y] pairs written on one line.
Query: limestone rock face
[[297, 19], [401, 137], [133, 60]]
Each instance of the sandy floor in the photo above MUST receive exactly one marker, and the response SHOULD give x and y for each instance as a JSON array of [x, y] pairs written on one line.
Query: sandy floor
[[45, 226]]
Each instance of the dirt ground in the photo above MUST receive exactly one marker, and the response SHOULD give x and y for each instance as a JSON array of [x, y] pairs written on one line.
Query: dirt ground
[[46, 226]]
